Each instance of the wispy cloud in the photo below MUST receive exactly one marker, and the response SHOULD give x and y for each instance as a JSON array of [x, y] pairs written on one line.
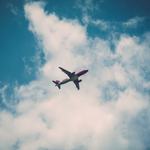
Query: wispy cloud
[[27, 68], [13, 9], [133, 23], [101, 114], [85, 6], [101, 23]]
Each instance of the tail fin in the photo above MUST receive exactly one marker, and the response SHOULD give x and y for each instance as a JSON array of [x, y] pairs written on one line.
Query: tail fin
[[56, 82]]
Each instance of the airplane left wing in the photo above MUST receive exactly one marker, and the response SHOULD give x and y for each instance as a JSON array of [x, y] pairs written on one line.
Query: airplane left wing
[[77, 84], [66, 72]]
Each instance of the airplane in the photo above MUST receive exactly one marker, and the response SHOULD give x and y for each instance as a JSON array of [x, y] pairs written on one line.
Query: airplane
[[72, 77]]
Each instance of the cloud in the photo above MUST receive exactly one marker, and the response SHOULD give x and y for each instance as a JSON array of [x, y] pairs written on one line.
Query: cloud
[[28, 70], [13, 9], [103, 24], [85, 6], [100, 115], [2, 91], [133, 23]]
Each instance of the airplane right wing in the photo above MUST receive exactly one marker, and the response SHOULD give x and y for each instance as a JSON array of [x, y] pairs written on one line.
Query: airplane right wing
[[66, 72], [76, 82]]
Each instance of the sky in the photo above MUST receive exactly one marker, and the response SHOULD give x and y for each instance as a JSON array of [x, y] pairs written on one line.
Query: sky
[[111, 110]]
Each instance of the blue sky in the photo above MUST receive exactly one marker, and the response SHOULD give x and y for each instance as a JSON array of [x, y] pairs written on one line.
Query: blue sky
[[112, 108], [18, 36]]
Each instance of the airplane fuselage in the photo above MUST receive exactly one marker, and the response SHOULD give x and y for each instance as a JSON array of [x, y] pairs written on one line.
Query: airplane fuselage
[[68, 80]]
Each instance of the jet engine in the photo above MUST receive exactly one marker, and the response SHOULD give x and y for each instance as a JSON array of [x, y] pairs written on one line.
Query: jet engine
[[79, 80]]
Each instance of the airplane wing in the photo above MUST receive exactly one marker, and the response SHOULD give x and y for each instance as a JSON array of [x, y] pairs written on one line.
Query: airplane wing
[[76, 83], [66, 72]]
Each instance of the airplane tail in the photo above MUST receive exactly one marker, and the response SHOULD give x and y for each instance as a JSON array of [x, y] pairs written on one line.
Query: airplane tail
[[56, 82]]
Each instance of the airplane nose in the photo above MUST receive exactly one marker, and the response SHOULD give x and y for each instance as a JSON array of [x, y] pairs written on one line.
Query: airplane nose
[[86, 70]]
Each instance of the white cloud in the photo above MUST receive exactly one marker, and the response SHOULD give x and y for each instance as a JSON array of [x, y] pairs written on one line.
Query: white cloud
[[85, 6], [133, 22], [28, 70], [2, 91], [103, 24], [49, 118]]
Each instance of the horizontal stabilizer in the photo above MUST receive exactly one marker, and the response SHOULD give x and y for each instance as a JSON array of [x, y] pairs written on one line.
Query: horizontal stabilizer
[[56, 82]]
